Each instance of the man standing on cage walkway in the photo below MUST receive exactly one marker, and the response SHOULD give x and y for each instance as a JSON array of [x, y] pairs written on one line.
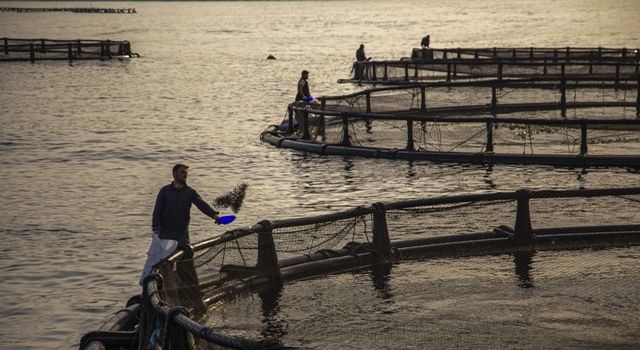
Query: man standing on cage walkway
[[361, 58], [170, 225]]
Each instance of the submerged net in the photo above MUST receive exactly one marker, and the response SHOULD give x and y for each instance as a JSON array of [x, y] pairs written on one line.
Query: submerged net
[[548, 300], [449, 64], [493, 295], [523, 118]]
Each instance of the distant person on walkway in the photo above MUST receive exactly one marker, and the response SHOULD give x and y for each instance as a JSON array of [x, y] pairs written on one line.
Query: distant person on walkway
[[361, 57], [425, 41], [171, 214], [303, 88]]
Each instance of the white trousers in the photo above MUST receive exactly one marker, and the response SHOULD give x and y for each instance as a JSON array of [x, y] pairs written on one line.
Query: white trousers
[[158, 250]]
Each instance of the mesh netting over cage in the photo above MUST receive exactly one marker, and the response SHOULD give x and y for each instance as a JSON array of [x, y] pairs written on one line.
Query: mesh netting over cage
[[52, 49], [427, 64], [572, 122], [528, 269]]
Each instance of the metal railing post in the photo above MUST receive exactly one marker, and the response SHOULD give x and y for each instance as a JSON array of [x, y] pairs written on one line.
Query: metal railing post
[[373, 71], [494, 99], [267, 265], [583, 138], [423, 98], [489, 147], [563, 97], [345, 132], [523, 231], [290, 125], [381, 244], [410, 146], [305, 125], [638, 100], [321, 120], [406, 71]]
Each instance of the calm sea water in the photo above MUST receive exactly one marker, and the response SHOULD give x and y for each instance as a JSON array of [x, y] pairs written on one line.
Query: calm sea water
[[84, 147]]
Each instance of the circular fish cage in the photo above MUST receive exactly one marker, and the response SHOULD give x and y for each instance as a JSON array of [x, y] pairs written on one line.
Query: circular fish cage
[[572, 106], [524, 269], [577, 122]]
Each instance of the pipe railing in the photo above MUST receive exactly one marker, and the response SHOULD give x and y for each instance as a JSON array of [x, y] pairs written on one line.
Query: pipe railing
[[491, 123], [452, 69], [537, 52], [53, 49], [178, 322], [424, 113]]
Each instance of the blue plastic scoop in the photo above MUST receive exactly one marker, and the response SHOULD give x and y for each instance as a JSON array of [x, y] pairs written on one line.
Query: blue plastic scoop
[[226, 219]]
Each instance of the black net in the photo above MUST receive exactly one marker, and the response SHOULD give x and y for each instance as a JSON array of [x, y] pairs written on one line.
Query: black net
[[48, 49], [471, 64], [518, 118], [568, 300], [319, 309]]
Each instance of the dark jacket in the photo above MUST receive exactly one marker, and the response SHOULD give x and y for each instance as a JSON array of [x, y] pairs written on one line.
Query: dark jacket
[[171, 214], [360, 55]]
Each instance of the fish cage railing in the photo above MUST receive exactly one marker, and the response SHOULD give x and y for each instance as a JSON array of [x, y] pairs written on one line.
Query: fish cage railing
[[581, 122], [101, 10], [490, 97], [495, 223], [555, 53], [477, 140], [12, 49], [448, 69]]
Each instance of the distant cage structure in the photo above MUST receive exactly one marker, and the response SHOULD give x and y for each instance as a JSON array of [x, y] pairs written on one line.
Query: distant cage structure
[[428, 64], [578, 121], [72, 50], [185, 292], [101, 10], [575, 107]]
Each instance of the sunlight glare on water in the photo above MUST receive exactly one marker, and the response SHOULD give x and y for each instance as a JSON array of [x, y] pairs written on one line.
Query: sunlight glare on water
[[85, 146]]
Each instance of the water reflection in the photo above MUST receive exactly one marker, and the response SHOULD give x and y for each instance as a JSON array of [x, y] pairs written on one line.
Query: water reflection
[[274, 327], [348, 165], [411, 171], [523, 261], [487, 177], [380, 276]]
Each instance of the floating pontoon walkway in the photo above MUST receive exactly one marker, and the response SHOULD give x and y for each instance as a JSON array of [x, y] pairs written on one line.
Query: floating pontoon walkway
[[253, 265], [459, 64], [32, 50], [582, 122]]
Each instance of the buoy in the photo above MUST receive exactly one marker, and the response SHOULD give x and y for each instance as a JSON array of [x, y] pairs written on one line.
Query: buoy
[[271, 57]]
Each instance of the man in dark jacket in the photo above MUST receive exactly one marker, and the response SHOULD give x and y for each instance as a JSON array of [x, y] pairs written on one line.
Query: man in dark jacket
[[425, 41], [171, 214]]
